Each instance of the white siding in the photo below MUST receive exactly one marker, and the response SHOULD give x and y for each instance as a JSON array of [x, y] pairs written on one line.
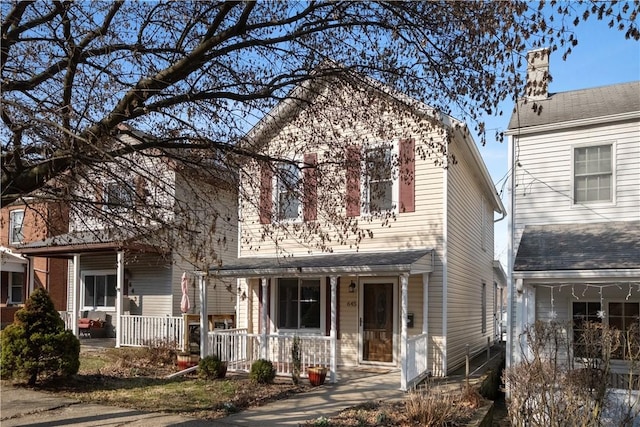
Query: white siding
[[469, 263], [543, 193], [328, 138]]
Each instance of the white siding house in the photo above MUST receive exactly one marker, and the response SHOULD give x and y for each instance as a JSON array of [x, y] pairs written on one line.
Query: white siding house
[[378, 250], [574, 225]]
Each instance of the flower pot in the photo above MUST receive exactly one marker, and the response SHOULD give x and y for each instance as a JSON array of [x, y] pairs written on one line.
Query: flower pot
[[317, 375], [187, 360]]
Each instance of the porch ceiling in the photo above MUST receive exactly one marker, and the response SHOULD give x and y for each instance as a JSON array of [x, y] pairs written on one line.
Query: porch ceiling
[[562, 247], [409, 261]]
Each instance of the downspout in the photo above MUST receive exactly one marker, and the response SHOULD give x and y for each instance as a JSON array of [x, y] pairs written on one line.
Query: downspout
[[510, 228], [445, 220]]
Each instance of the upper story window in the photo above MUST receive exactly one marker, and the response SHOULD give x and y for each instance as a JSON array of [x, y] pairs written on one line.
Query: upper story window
[[16, 219], [593, 174], [287, 194], [379, 183], [118, 195]]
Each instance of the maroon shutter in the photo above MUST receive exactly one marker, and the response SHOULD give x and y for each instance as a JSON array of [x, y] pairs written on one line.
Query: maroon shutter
[[353, 181], [141, 191], [99, 195], [266, 188], [310, 186], [327, 316], [407, 175]]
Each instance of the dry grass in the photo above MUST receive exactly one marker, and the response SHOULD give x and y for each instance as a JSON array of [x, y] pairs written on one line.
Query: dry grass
[[427, 407], [136, 378]]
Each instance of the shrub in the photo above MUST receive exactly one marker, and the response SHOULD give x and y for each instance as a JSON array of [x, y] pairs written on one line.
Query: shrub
[[36, 345], [262, 371], [431, 408], [211, 367]]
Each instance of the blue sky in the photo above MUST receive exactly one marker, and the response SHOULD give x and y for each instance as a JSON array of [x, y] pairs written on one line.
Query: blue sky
[[602, 57]]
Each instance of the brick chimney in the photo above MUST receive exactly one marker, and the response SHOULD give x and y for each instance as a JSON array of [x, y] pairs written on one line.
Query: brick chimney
[[538, 78]]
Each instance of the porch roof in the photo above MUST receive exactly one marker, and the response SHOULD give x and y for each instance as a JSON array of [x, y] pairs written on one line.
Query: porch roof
[[10, 261], [100, 240], [414, 261], [598, 246]]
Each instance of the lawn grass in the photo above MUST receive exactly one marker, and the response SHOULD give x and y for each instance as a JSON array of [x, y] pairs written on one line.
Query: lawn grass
[[137, 379]]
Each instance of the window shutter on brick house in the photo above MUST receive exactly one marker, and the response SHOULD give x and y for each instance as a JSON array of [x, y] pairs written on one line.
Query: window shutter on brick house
[[310, 187], [266, 196], [407, 168], [353, 181]]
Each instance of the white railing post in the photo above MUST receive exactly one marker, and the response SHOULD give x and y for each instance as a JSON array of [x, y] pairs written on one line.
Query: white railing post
[[404, 286], [204, 320], [75, 301], [334, 330], [119, 289]]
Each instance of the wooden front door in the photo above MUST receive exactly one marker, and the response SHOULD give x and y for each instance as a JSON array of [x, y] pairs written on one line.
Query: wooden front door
[[377, 322]]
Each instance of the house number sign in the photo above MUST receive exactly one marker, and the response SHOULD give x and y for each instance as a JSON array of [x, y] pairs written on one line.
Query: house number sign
[[351, 303]]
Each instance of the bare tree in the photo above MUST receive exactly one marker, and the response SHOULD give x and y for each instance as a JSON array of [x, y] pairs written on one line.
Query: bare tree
[[196, 76]]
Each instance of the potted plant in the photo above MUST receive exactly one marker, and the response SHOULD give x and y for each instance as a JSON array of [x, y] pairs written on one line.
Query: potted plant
[[187, 360], [317, 375]]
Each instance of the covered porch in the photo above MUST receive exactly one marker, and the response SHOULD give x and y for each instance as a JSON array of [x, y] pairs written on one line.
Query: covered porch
[[347, 309]]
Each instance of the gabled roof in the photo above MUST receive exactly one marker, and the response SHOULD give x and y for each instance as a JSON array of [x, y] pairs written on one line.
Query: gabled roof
[[561, 107], [308, 90], [598, 246], [408, 261]]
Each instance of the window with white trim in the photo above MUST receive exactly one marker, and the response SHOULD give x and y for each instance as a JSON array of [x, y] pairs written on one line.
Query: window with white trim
[[118, 195], [593, 174], [299, 303], [16, 221], [380, 186], [287, 195], [99, 290], [16, 288]]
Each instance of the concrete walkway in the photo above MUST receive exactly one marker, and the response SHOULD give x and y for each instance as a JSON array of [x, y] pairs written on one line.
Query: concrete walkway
[[25, 407]]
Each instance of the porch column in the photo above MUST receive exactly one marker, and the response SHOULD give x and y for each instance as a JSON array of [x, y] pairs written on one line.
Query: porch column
[[334, 328], [204, 319], [263, 322], [404, 287], [75, 295], [425, 303], [31, 276], [119, 289]]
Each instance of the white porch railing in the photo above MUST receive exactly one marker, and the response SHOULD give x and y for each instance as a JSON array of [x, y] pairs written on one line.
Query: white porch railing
[[66, 317], [416, 364], [139, 331], [240, 349]]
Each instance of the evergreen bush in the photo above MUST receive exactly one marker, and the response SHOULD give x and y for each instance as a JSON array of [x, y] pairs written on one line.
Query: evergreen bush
[[262, 371], [36, 345], [211, 367]]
